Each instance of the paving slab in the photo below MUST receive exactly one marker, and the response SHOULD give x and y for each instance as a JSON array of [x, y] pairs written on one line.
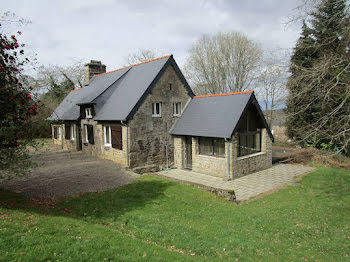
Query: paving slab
[[245, 187]]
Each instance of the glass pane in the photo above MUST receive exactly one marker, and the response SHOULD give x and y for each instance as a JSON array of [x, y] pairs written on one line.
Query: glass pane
[[219, 147], [206, 146]]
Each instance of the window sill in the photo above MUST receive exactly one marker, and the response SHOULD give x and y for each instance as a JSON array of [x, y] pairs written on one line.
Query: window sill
[[208, 156], [156, 116], [251, 155]]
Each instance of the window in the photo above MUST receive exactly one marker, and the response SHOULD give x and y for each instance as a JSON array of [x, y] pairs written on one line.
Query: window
[[212, 146], [55, 132], [89, 134], [107, 135], [249, 142], [170, 86], [72, 132], [117, 137], [156, 109], [59, 133], [67, 132], [88, 113], [177, 109]]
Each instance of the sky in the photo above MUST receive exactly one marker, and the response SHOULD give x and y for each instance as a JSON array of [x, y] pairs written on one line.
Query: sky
[[66, 31]]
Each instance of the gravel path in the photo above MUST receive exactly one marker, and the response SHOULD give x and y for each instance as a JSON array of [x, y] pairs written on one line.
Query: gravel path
[[63, 173]]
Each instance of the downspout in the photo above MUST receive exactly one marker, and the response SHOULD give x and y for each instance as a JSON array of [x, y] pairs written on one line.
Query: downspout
[[228, 158], [127, 142]]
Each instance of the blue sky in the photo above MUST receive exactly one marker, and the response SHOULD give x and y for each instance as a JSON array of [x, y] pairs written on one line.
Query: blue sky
[[80, 30]]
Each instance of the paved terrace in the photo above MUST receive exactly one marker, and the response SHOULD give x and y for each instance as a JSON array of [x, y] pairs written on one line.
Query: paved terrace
[[245, 187]]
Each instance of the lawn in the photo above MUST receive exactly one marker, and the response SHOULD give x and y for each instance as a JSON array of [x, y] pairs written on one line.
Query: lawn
[[158, 220]]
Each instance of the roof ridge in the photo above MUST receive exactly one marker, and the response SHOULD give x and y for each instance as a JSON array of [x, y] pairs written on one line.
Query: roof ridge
[[76, 89], [226, 94], [144, 62]]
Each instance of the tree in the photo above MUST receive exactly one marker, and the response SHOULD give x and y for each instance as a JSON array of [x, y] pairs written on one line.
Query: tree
[[271, 88], [140, 56], [16, 108], [225, 62], [52, 84], [318, 105]]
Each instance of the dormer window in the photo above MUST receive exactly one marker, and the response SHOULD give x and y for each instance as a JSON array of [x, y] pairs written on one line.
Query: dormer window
[[88, 113]]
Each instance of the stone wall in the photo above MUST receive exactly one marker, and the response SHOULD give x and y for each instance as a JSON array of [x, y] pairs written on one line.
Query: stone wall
[[149, 135], [98, 148], [179, 152], [210, 165], [71, 145], [255, 162]]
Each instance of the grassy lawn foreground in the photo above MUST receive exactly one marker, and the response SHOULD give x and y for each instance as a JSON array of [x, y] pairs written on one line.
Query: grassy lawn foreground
[[158, 220]]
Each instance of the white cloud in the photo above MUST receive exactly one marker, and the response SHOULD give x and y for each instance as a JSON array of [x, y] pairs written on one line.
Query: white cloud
[[108, 30]]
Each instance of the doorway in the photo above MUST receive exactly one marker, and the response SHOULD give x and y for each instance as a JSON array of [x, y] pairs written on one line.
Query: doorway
[[188, 152], [79, 139]]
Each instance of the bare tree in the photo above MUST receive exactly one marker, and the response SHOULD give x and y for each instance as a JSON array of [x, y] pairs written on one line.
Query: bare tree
[[225, 62], [53, 75], [271, 87], [139, 56]]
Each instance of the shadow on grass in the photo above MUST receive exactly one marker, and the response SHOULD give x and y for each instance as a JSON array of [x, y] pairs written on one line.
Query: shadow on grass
[[106, 206]]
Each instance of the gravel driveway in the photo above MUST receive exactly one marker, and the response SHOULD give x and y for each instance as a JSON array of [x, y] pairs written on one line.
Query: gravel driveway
[[62, 173]]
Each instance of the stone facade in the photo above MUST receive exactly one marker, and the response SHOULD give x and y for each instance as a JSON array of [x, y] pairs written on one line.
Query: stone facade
[[150, 141], [210, 165], [245, 165], [67, 144], [146, 139], [98, 148], [218, 166]]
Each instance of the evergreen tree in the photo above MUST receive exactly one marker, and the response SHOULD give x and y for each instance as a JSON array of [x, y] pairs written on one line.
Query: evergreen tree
[[319, 86]]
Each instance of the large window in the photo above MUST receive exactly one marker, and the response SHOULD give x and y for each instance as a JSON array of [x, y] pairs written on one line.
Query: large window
[[177, 109], [212, 146], [249, 142], [156, 109], [89, 134]]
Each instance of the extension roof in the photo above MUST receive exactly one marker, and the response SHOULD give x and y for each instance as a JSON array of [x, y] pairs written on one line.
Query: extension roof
[[216, 115], [117, 94]]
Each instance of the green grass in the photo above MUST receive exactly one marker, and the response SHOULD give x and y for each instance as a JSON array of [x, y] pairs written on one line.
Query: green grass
[[157, 220]]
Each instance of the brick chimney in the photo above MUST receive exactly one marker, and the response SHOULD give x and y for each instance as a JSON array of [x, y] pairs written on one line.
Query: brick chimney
[[93, 68]]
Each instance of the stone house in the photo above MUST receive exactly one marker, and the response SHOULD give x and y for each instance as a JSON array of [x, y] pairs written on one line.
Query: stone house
[[224, 135], [139, 116]]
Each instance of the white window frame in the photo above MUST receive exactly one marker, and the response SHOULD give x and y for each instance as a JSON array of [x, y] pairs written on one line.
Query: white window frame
[[72, 132], [86, 134], [88, 113], [178, 113], [154, 109], [59, 133], [109, 136]]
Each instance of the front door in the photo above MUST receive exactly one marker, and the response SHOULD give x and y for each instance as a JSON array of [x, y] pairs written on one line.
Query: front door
[[188, 152]]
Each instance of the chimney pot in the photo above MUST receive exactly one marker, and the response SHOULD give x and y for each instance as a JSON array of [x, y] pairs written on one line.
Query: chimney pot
[[93, 68]]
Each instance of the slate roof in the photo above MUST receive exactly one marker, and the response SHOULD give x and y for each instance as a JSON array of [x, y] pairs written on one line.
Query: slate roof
[[117, 94], [215, 115]]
